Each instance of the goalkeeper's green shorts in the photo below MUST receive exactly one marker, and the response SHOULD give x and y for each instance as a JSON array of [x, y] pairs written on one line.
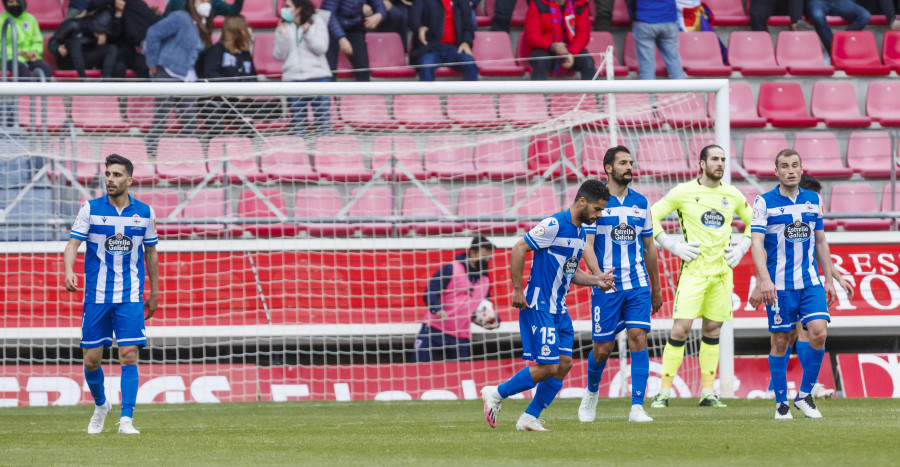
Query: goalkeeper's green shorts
[[708, 297]]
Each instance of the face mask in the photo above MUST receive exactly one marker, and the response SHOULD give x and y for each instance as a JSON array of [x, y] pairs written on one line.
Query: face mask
[[16, 11], [204, 9], [287, 14]]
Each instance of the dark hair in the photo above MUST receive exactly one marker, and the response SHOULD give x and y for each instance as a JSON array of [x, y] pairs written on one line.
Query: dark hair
[[593, 190], [704, 153], [204, 25], [787, 153], [610, 155], [117, 159], [307, 9], [479, 241], [808, 182]]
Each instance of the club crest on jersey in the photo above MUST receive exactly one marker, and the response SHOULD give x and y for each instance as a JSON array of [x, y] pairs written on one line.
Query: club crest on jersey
[[809, 206], [623, 234], [776, 319], [712, 219], [724, 202], [118, 245], [636, 210], [545, 350], [597, 328], [797, 232], [136, 219]]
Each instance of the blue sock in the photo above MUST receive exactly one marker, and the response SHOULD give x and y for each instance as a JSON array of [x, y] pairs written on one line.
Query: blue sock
[[778, 372], [787, 359], [802, 351], [811, 369], [543, 396], [95, 383], [521, 381], [640, 371], [129, 389], [595, 373]]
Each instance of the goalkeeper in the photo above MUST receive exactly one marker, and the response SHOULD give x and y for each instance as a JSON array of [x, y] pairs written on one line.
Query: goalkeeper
[[705, 208], [453, 295]]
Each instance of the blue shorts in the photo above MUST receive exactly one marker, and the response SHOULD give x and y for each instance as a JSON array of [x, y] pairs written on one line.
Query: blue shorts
[[803, 305], [545, 336], [613, 312], [100, 319]]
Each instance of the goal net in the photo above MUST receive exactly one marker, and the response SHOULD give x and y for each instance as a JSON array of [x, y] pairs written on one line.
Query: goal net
[[301, 224]]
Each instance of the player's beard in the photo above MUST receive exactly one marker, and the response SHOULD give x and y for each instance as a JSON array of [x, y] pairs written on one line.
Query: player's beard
[[711, 174], [117, 191], [622, 179]]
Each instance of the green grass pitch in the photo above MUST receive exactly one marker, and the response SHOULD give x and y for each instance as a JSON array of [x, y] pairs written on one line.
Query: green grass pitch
[[855, 432]]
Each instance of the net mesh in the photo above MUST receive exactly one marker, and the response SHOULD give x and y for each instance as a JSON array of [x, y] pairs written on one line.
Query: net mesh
[[298, 235]]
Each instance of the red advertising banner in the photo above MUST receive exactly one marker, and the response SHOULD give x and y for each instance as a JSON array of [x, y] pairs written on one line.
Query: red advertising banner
[[870, 375]]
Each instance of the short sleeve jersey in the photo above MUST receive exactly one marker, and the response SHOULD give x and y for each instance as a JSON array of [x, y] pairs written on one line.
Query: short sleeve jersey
[[114, 262], [558, 245], [618, 244], [789, 226]]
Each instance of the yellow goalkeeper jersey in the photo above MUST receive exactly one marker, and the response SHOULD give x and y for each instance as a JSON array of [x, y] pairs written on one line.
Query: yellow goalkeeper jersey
[[705, 215]]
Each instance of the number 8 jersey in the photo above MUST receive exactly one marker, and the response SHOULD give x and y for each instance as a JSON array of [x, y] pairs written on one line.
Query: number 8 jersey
[[558, 245]]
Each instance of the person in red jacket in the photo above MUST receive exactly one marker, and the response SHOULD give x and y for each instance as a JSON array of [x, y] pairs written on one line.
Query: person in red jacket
[[559, 28]]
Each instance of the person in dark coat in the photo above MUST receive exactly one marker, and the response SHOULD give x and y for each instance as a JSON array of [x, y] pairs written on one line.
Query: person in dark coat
[[82, 43], [443, 32], [348, 25], [230, 60], [130, 21]]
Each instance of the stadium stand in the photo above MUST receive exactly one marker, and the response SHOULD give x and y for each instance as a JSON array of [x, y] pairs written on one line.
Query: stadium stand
[[751, 53]]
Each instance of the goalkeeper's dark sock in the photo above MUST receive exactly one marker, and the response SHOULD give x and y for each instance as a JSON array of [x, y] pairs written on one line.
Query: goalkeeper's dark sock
[[543, 396], [129, 386], [94, 381], [521, 381], [595, 373]]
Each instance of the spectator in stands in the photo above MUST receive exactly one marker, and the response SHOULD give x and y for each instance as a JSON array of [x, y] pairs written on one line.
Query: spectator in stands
[[655, 25], [397, 19], [131, 19], [172, 48], [30, 41], [348, 25], [850, 11], [219, 8], [76, 8], [603, 17], [301, 41], [82, 43], [230, 60], [453, 294], [503, 11], [444, 32], [883, 7], [560, 28], [762, 10]]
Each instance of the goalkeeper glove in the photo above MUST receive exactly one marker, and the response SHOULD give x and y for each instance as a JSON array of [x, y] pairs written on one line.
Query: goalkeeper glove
[[733, 254], [686, 251]]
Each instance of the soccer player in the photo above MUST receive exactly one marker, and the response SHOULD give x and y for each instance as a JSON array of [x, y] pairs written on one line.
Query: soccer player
[[705, 208], [544, 323], [121, 233], [789, 245], [622, 239], [799, 339]]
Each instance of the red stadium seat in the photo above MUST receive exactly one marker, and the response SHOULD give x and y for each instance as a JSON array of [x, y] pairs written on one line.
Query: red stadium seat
[[598, 43], [136, 152], [630, 56], [374, 202], [48, 13], [701, 55], [561, 104], [86, 167], [449, 156], [662, 156], [700, 140], [542, 202], [482, 18], [641, 115], [181, 160], [758, 154], [494, 54], [890, 50], [687, 112], [593, 149], [56, 113], [783, 105], [417, 112], [835, 102], [750, 193], [751, 53], [321, 202], [265, 63], [251, 206], [285, 158], [163, 203], [546, 150], [484, 201], [259, 14], [98, 114], [870, 154], [653, 193], [339, 158], [139, 114], [518, 16], [821, 155], [741, 106], [855, 53], [209, 204], [857, 197], [499, 160], [472, 111], [883, 102], [620, 16], [886, 199], [800, 52], [237, 150], [728, 12], [523, 109], [401, 147], [366, 112], [390, 61], [417, 203]]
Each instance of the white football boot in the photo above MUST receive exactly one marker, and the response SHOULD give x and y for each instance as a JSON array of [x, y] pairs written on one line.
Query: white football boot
[[638, 414], [99, 417], [807, 406], [783, 412], [530, 423], [126, 428], [491, 404], [587, 411], [819, 391]]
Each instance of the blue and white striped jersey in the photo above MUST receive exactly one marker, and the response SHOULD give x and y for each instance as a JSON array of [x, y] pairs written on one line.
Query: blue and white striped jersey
[[114, 262], [790, 227], [558, 245], [618, 243]]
